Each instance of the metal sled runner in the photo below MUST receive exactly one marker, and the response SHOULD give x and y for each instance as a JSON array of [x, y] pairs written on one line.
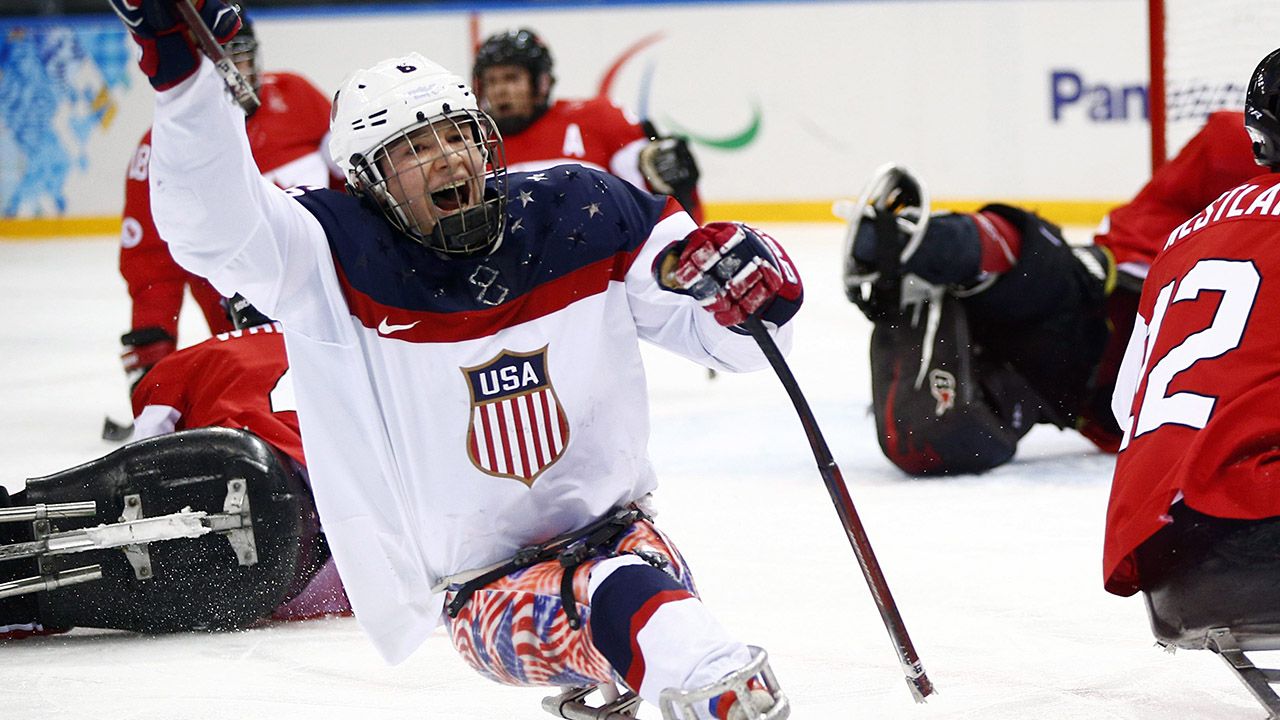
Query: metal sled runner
[[200, 529]]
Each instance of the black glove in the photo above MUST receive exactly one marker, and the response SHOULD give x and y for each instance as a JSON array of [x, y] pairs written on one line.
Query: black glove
[[143, 348], [168, 55], [668, 166]]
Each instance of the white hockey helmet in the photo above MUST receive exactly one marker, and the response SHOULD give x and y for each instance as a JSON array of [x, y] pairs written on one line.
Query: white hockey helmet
[[412, 96]]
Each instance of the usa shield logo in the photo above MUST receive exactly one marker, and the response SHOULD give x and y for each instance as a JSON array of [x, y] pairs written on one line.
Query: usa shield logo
[[518, 428]]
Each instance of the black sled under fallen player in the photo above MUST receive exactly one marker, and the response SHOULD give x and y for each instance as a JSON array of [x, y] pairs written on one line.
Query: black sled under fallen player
[[204, 529]]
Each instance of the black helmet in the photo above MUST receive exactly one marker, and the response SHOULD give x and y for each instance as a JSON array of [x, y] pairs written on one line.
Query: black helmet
[[520, 47], [1262, 111]]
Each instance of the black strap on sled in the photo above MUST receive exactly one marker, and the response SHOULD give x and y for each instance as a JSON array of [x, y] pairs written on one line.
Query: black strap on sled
[[572, 550]]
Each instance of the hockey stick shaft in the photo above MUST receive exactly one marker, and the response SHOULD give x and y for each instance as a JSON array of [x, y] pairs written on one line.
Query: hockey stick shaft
[[919, 683], [240, 88]]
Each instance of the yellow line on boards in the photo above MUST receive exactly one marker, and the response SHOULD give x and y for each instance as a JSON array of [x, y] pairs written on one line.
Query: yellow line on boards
[[1062, 212], [48, 228]]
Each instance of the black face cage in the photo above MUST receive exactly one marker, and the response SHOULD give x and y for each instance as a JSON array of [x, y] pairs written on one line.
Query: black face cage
[[477, 201]]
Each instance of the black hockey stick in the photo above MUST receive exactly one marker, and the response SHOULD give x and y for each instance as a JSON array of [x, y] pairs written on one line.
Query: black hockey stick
[[917, 681], [240, 88]]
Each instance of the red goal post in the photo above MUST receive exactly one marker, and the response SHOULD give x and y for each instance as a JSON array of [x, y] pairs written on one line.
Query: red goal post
[[1202, 53]]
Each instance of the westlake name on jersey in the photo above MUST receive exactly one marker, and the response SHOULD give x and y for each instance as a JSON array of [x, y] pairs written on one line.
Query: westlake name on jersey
[[452, 410], [1198, 387]]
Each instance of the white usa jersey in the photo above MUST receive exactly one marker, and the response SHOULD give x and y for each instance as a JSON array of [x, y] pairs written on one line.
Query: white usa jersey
[[452, 411]]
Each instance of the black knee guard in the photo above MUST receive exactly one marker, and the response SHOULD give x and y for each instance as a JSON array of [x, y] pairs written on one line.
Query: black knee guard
[[215, 581], [1047, 316], [941, 404], [1201, 572]]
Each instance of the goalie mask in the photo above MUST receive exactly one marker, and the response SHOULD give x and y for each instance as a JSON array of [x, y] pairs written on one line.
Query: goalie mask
[[411, 139], [1262, 111]]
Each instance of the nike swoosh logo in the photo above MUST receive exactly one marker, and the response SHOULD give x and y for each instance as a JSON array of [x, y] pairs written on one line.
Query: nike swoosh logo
[[387, 328]]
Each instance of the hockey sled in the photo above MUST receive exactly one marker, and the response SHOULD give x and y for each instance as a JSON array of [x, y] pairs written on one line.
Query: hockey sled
[[1210, 583], [572, 704], [200, 529]]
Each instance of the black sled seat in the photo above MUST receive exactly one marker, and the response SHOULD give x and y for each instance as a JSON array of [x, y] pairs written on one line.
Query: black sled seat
[[258, 507], [1214, 583]]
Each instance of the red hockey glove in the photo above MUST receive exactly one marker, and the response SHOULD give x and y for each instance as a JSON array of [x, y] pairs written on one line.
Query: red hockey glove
[[143, 348], [168, 53], [734, 271]]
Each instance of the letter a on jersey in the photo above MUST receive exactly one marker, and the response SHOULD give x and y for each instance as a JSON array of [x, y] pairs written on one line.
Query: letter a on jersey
[[517, 426]]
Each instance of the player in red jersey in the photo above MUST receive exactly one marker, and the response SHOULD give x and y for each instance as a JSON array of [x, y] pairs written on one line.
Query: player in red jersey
[[1218, 157], [1041, 327], [512, 76], [286, 135], [236, 380], [1194, 515]]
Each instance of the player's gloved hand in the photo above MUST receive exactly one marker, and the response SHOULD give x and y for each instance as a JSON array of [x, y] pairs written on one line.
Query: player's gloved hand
[[169, 55], [949, 254], [668, 166], [734, 271], [143, 348]]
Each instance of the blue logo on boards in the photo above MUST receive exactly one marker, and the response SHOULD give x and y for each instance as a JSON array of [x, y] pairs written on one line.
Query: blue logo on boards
[[1074, 97]]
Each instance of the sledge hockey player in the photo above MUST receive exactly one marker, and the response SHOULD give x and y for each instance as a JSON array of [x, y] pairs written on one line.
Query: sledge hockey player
[[464, 350], [236, 383], [240, 379], [512, 77], [286, 134], [985, 324], [1040, 327], [1194, 516]]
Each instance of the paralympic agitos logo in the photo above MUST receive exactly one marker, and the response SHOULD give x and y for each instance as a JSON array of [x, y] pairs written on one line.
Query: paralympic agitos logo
[[732, 141]]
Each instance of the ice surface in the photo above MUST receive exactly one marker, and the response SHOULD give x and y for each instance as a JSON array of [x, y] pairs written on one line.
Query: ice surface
[[998, 577]]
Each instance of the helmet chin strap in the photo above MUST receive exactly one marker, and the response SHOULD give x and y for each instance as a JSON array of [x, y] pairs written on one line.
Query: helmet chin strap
[[470, 231]]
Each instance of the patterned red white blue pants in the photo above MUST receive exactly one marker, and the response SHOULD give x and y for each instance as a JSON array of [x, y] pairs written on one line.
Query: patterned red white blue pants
[[641, 626]]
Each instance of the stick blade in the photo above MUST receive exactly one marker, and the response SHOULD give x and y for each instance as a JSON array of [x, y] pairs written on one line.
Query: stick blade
[[114, 431]]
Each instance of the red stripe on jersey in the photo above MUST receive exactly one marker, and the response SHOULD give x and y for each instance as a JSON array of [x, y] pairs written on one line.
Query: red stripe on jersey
[[529, 402], [635, 673], [488, 436], [672, 207], [542, 300], [555, 423], [518, 432], [503, 437]]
